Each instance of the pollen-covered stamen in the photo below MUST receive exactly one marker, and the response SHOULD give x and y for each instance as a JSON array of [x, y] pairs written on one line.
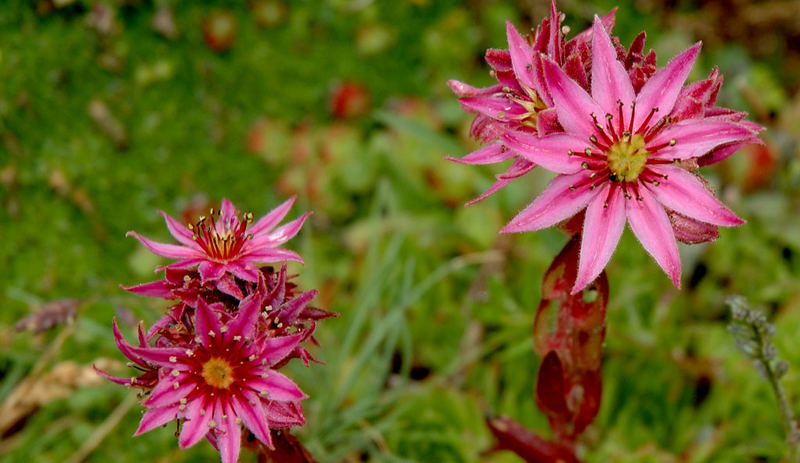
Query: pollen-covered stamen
[[221, 240], [610, 128], [591, 181], [621, 122], [218, 373], [627, 158], [633, 117]]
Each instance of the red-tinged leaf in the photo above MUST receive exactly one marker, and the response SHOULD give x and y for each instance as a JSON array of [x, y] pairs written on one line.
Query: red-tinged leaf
[[550, 388], [591, 384], [511, 436]]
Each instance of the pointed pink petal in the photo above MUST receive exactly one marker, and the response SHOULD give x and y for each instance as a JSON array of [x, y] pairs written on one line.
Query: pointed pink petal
[[270, 255], [550, 152], [210, 271], [519, 168], [207, 324], [251, 411], [465, 90], [610, 81], [273, 218], [273, 350], [179, 231], [242, 268], [497, 107], [293, 308], [573, 105], [245, 322], [694, 138], [165, 393], [159, 355], [556, 203], [155, 417], [602, 229], [555, 41], [114, 379], [281, 234], [124, 346], [661, 91], [650, 224], [185, 264], [277, 386], [171, 251], [229, 437], [160, 288], [683, 192], [521, 55], [195, 426], [228, 285], [489, 154]]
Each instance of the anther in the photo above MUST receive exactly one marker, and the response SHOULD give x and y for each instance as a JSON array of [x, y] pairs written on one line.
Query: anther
[[503, 148], [588, 151], [672, 142], [211, 333], [173, 359], [585, 165], [175, 373], [570, 153], [627, 196], [572, 188], [593, 139], [593, 175], [605, 204], [656, 183]]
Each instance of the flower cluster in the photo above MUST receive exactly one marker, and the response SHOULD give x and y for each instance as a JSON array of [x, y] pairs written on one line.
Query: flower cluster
[[625, 138], [211, 361]]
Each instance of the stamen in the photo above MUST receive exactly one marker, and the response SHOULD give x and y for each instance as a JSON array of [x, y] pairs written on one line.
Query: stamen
[[633, 116], [647, 119]]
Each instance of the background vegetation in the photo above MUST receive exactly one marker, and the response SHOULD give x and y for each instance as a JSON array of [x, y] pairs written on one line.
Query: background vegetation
[[112, 110]]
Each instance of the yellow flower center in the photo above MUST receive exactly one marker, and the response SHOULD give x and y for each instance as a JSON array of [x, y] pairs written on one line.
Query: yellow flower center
[[627, 158], [218, 373]]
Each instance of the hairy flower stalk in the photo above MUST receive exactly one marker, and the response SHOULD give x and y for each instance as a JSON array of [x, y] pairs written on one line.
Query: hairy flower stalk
[[210, 363]]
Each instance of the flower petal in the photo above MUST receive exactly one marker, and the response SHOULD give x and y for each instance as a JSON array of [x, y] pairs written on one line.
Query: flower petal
[[694, 138], [195, 427], [521, 55], [650, 224], [602, 229], [277, 387], [573, 105], [227, 210], [210, 271], [160, 288], [171, 251], [165, 393], [683, 192], [229, 437], [228, 285], [489, 154], [497, 107], [662, 89], [251, 411], [281, 234], [244, 270], [465, 90], [520, 167], [179, 231], [273, 350], [610, 81], [269, 255], [245, 322], [556, 203], [155, 417], [273, 218], [206, 322], [550, 152]]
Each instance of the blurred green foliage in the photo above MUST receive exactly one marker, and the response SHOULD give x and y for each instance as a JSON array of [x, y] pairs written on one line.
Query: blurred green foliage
[[112, 110]]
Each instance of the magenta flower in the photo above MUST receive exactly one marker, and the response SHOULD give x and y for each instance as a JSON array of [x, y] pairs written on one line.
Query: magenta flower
[[622, 158], [520, 101], [221, 381], [228, 245]]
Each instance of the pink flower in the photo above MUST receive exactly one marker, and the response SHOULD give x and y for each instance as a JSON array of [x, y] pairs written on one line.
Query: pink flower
[[623, 158], [222, 380], [228, 245], [520, 101]]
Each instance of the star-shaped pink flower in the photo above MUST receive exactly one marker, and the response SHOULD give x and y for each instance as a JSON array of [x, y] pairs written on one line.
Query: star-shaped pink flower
[[622, 158], [224, 244], [223, 380]]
